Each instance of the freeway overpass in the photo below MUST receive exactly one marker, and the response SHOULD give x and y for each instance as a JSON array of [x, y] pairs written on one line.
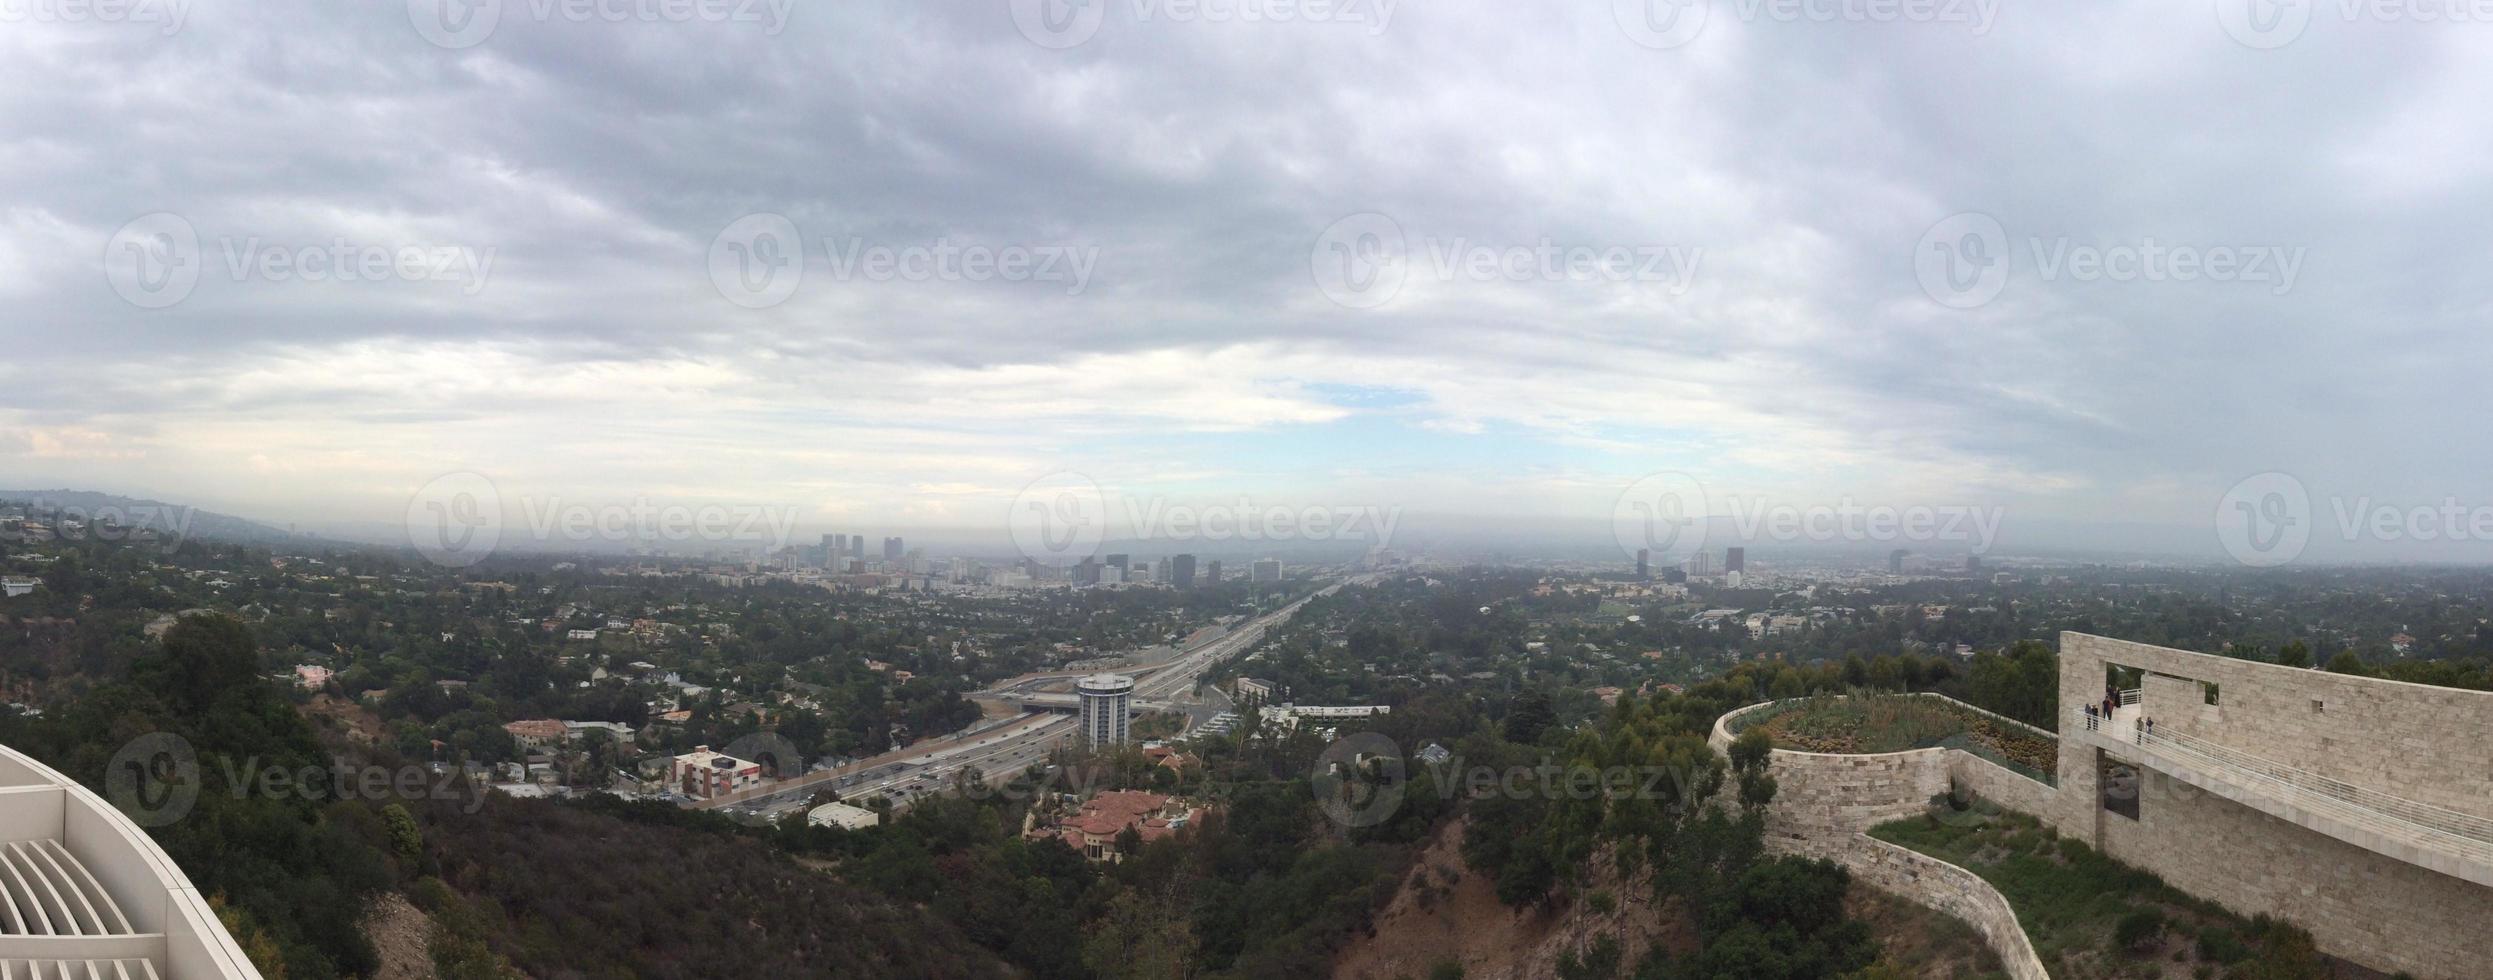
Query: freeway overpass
[[1008, 746], [1047, 701]]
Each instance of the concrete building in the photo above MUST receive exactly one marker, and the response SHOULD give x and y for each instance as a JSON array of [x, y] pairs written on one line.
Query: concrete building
[[1265, 570], [703, 774], [1735, 560], [843, 816], [1287, 717], [2356, 808], [14, 586], [1212, 572], [91, 896], [1248, 687], [1107, 708], [1182, 571]]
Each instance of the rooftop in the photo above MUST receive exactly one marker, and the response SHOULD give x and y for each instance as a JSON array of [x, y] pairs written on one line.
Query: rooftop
[[85, 893]]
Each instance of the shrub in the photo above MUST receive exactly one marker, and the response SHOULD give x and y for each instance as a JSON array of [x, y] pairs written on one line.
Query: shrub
[[2139, 928], [2218, 944]]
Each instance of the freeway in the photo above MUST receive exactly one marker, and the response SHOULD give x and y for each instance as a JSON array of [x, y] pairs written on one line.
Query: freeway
[[931, 767]]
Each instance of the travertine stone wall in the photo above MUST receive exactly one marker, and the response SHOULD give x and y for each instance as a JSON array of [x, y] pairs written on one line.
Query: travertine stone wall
[[1936, 884], [2428, 744], [1829, 797], [1823, 803], [1835, 796], [1988, 780], [2378, 911]]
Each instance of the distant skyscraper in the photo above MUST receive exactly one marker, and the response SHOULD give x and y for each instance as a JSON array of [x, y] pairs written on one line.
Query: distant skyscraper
[[1265, 570], [1086, 571], [1182, 571], [891, 549], [1117, 562], [1212, 572], [1700, 565], [1644, 566], [1973, 564], [1895, 562], [1735, 560]]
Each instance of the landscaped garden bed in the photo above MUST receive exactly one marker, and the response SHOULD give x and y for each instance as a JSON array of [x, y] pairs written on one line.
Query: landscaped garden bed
[[1868, 724], [2092, 917]]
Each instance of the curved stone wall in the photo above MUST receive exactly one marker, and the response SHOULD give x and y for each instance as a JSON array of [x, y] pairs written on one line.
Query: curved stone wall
[[1936, 884], [1823, 803]]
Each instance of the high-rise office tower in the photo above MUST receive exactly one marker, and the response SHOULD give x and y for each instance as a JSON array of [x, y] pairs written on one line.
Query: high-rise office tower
[[891, 549], [1212, 572], [1735, 560], [1182, 571], [1117, 562], [1107, 708], [1644, 567], [1265, 570], [1895, 562]]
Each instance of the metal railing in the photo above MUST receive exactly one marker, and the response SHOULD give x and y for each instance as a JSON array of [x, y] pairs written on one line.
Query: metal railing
[[2469, 832]]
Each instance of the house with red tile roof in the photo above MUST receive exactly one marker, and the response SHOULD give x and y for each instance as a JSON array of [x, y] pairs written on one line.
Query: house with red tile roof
[[1095, 827]]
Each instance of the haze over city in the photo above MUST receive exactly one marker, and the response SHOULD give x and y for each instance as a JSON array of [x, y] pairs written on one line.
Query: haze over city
[[1578, 253]]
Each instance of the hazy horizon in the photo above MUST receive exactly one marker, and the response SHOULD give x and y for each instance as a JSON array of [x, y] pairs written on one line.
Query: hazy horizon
[[889, 267]]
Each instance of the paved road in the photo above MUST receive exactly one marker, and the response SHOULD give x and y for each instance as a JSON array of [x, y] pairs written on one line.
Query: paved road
[[921, 769]]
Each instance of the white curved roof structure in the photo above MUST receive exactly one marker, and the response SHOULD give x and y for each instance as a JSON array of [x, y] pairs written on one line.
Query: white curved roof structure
[[85, 895]]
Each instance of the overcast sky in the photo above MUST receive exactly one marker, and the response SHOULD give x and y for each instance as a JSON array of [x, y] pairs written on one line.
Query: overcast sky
[[1188, 258]]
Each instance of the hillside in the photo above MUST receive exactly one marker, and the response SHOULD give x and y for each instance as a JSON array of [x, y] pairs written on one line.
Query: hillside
[[562, 891], [1448, 913], [169, 521]]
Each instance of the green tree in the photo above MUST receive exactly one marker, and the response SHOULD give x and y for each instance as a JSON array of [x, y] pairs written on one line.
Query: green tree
[[1140, 938], [406, 839]]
